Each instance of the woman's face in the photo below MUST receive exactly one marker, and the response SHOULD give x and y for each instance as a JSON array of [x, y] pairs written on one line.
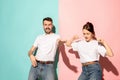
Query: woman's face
[[87, 35]]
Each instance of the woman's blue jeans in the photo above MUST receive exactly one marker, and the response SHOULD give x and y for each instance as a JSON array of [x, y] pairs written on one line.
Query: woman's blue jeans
[[91, 72]]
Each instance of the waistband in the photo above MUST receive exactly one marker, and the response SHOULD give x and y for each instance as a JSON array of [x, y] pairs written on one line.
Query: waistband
[[88, 63], [45, 62]]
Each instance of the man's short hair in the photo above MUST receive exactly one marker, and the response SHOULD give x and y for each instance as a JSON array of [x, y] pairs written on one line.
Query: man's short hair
[[48, 19]]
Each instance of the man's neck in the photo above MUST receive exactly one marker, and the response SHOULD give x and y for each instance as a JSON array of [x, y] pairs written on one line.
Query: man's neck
[[49, 33]]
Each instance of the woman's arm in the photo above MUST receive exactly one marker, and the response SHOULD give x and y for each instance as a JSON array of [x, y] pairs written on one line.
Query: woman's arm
[[109, 51], [69, 42]]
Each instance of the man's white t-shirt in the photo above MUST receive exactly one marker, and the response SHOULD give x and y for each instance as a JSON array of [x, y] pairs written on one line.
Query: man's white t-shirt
[[89, 51], [47, 46]]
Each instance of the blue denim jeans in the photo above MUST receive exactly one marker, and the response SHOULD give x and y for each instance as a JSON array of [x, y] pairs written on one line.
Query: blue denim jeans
[[42, 71], [91, 72]]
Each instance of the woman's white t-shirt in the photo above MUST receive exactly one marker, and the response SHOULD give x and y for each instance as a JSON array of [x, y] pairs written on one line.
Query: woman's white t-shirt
[[89, 51]]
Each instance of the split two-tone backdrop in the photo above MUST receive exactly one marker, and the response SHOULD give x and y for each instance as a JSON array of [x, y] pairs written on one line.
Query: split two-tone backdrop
[[21, 22]]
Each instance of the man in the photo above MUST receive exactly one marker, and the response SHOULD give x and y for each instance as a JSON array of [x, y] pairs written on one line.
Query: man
[[46, 45]]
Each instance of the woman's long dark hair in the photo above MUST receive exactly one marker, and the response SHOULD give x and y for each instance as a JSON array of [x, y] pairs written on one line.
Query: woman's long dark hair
[[89, 26]]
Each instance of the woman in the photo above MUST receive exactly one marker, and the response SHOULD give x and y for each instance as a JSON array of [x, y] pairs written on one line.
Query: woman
[[89, 51]]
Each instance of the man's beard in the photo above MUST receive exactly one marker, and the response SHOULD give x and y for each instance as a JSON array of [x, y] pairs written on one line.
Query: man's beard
[[47, 30]]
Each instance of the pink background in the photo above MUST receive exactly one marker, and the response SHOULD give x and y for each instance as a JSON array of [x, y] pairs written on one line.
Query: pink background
[[105, 15]]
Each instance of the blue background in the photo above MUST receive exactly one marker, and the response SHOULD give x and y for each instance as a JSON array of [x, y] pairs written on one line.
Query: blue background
[[20, 23]]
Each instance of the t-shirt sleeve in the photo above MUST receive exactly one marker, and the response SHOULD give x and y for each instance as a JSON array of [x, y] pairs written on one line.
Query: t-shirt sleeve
[[58, 37], [35, 44], [101, 50], [74, 46]]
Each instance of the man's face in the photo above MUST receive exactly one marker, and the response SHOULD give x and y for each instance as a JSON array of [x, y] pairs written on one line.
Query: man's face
[[47, 25]]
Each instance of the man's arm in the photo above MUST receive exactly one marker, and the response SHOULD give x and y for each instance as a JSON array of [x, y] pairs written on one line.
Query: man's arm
[[61, 42], [32, 57]]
